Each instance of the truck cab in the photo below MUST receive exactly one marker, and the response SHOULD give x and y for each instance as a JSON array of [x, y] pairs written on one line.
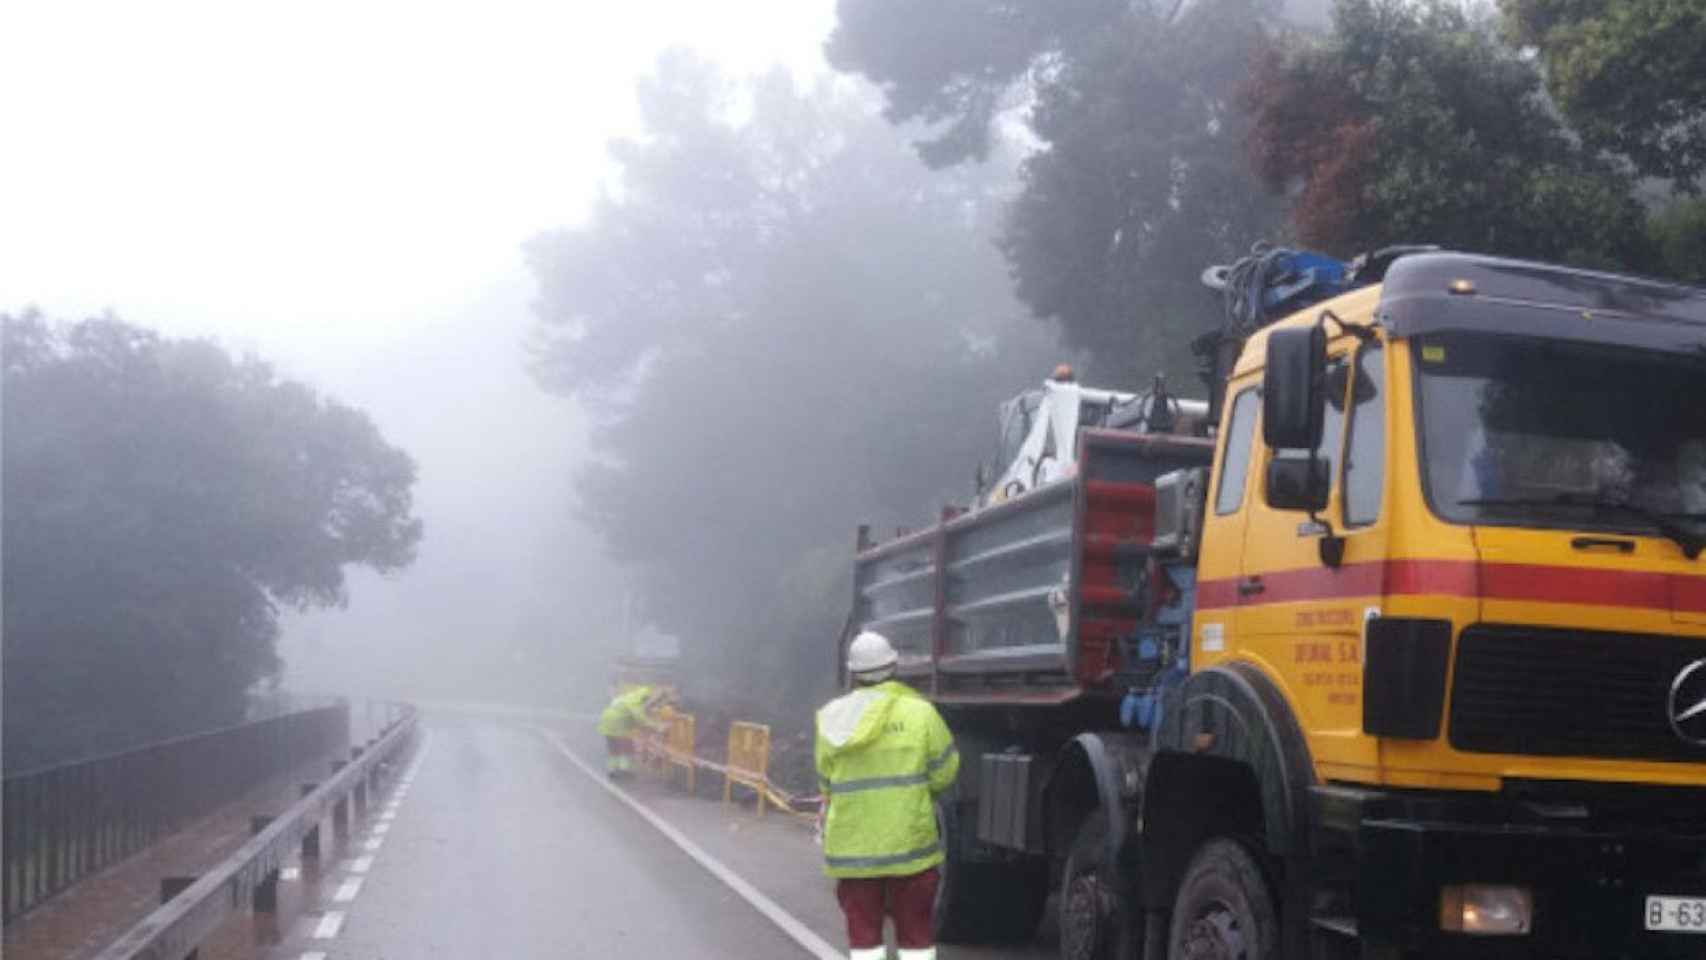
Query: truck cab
[[1454, 530]]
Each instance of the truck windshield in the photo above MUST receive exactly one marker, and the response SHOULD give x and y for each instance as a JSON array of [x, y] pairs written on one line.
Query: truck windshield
[[1546, 433]]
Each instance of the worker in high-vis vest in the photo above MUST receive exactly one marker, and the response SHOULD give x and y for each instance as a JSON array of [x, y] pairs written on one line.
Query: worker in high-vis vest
[[628, 713], [883, 754]]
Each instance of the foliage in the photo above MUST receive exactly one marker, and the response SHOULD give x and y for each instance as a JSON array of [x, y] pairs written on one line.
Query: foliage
[[161, 498], [1629, 75], [1143, 183], [787, 326], [1679, 234], [1139, 180], [1411, 122], [955, 64]]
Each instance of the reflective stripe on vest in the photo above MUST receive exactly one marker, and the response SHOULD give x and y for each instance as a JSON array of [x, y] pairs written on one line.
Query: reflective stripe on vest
[[944, 757], [878, 783], [905, 780], [860, 863]]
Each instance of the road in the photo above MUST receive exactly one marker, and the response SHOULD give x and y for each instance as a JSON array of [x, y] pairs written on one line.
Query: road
[[501, 841]]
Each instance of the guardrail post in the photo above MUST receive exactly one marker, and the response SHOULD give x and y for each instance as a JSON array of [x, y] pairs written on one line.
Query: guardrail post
[[170, 887], [360, 789], [311, 839], [265, 898], [340, 807]]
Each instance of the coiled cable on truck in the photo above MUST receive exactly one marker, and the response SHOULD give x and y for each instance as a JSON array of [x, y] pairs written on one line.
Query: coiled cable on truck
[[1243, 286]]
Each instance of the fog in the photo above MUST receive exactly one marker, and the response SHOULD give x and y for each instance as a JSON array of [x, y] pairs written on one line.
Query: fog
[[343, 190], [662, 299]]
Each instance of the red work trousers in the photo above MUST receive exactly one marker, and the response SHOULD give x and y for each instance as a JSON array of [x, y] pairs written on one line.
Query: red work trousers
[[910, 900]]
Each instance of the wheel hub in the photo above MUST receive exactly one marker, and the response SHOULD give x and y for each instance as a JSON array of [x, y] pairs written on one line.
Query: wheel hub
[[1215, 936], [1087, 920]]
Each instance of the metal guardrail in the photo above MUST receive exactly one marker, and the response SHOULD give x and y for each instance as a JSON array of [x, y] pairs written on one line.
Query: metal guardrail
[[249, 877], [66, 822]]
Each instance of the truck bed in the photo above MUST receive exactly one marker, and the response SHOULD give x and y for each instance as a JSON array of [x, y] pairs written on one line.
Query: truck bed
[[966, 601]]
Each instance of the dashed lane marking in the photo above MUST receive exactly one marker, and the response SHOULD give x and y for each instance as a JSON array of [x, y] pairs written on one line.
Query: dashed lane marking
[[332, 921], [314, 955], [347, 891], [787, 922]]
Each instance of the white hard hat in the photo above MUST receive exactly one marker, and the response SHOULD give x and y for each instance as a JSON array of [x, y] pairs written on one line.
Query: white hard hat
[[870, 652]]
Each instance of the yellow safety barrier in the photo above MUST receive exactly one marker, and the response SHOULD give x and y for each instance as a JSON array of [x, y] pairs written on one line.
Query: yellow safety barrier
[[649, 747], [748, 761], [678, 746]]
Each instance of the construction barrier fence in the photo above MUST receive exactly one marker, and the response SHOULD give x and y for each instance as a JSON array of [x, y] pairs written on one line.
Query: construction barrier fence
[[746, 763], [748, 760]]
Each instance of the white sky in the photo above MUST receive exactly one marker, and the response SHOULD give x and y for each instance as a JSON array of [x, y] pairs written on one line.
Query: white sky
[[343, 188], [266, 168]]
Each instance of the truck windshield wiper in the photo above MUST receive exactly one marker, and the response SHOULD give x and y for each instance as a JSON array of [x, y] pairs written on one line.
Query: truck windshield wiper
[[1666, 523]]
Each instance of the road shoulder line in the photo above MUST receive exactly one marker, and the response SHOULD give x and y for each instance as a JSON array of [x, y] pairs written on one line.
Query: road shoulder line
[[785, 921]]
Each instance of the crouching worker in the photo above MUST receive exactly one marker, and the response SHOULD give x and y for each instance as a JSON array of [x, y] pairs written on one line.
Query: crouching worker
[[883, 754], [628, 713]]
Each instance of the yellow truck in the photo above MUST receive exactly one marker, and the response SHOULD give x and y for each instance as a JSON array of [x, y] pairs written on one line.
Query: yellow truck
[[1404, 657]]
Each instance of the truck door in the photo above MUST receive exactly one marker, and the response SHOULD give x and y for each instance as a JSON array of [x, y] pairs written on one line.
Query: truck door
[[1223, 524], [1298, 616]]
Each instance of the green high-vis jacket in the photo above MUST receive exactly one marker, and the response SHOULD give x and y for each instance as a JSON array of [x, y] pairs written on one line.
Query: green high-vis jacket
[[883, 753], [625, 713]]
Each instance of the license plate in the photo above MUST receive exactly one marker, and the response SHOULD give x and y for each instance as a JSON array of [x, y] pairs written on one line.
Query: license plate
[[1677, 914]]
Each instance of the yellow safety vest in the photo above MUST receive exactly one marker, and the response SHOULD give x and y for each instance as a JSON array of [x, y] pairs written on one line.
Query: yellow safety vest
[[883, 753], [624, 713]]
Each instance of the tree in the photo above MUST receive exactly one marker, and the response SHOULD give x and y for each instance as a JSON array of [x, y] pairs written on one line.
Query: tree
[[1411, 122], [160, 500], [1138, 181], [787, 326], [955, 65], [1679, 234], [1630, 76]]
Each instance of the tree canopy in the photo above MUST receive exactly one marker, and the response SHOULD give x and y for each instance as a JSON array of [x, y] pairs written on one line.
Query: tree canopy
[[162, 498], [1411, 122], [1138, 180], [1629, 75], [787, 326]]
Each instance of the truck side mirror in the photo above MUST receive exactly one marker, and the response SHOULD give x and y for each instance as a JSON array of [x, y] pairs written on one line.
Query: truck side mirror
[[1294, 388], [1298, 482]]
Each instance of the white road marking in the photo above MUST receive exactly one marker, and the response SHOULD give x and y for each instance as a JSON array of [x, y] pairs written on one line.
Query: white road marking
[[381, 829], [313, 955], [361, 865], [373, 844], [797, 931], [289, 873], [347, 892], [388, 816], [329, 926]]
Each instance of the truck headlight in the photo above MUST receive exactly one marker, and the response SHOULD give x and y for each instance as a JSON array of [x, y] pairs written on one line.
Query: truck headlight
[[1486, 910]]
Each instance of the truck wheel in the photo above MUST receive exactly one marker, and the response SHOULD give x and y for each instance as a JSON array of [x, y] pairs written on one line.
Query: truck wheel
[[978, 902], [1096, 918], [1224, 910]]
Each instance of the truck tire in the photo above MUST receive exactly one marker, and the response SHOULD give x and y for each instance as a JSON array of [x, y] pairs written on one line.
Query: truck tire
[[1097, 920], [1224, 909], [980, 902]]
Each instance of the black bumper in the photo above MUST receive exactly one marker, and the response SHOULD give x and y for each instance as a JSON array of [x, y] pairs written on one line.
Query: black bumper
[[1590, 882]]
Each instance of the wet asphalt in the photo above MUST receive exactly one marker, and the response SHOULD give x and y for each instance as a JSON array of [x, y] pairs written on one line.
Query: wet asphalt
[[500, 848]]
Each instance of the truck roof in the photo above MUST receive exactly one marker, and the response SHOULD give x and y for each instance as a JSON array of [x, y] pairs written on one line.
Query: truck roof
[[1438, 291]]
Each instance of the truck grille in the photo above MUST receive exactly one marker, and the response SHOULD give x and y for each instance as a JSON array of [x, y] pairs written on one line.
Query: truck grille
[[1530, 690]]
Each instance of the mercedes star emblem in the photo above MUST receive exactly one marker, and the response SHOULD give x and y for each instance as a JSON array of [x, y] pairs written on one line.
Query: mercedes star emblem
[[1688, 703]]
